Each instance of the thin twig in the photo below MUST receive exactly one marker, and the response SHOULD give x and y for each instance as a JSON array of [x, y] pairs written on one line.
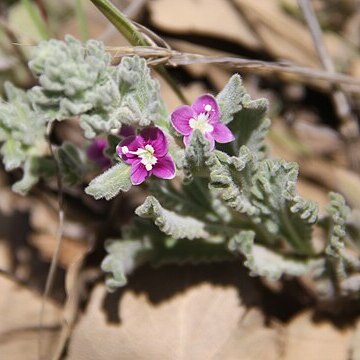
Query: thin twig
[[174, 58], [349, 128], [59, 238]]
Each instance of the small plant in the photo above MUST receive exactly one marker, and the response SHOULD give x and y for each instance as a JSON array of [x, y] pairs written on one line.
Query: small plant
[[213, 192]]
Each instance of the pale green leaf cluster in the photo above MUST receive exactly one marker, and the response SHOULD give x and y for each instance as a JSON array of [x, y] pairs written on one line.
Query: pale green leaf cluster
[[264, 192], [228, 202], [136, 99], [22, 134], [73, 78], [77, 79], [223, 195]]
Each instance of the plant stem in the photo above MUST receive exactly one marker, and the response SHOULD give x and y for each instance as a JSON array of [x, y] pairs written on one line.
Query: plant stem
[[36, 19], [82, 21], [135, 38]]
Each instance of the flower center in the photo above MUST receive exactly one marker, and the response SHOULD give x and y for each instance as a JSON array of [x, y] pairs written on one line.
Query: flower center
[[201, 123], [146, 154]]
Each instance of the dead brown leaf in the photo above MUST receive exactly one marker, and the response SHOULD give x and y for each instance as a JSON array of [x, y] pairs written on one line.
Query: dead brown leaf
[[215, 18], [19, 314], [44, 221], [355, 343], [203, 322], [306, 339], [334, 178]]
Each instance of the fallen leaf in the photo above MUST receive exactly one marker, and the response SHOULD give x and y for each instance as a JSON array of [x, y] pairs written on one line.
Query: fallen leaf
[[203, 322], [19, 314], [355, 343], [334, 178], [70, 248], [306, 339], [215, 18]]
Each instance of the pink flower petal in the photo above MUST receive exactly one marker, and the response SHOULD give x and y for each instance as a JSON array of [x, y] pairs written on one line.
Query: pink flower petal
[[180, 119], [138, 173], [156, 138], [164, 168], [186, 140], [207, 104], [222, 134], [132, 143]]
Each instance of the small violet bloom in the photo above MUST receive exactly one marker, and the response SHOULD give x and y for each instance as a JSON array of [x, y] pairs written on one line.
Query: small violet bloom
[[203, 115], [95, 152], [147, 153], [126, 130]]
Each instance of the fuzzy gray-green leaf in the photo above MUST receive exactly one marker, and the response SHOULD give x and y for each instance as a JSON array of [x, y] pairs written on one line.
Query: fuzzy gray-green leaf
[[123, 257], [73, 77], [22, 134], [111, 182], [195, 156], [230, 98], [264, 262], [245, 117], [28, 180], [343, 260], [265, 192], [170, 223], [136, 100]]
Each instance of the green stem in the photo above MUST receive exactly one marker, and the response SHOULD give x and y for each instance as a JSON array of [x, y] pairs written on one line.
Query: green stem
[[82, 21], [135, 38], [36, 19]]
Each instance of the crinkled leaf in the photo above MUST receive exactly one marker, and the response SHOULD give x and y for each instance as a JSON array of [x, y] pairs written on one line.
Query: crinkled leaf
[[13, 154], [246, 117], [140, 103], [230, 98], [123, 257], [22, 133], [73, 77], [137, 100], [170, 223], [265, 191], [111, 182], [264, 262], [343, 261], [28, 180], [154, 247], [196, 155]]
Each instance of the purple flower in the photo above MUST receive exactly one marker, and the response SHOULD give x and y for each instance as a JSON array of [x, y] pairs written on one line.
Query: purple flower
[[148, 155], [95, 152], [126, 130], [203, 115]]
